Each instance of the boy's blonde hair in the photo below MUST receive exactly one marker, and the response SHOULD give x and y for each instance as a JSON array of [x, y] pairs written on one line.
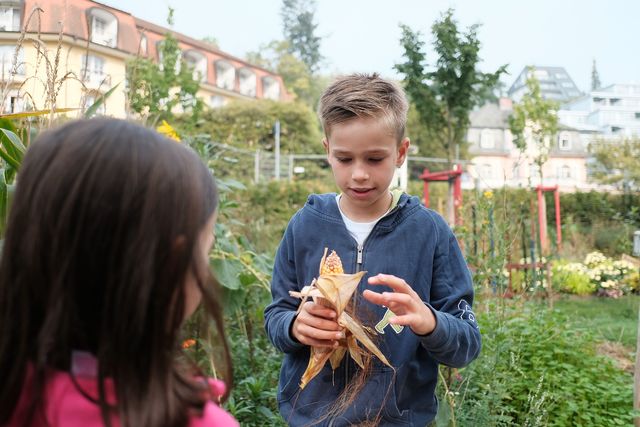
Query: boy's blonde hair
[[364, 96]]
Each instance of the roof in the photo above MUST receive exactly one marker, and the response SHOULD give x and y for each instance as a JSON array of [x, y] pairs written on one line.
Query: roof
[[490, 115]]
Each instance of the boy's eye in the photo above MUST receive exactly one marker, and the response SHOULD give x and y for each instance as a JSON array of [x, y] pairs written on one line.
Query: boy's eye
[[343, 159], [376, 160]]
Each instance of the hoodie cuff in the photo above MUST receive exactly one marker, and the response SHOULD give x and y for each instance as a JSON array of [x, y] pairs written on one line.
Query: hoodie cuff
[[289, 343], [440, 335]]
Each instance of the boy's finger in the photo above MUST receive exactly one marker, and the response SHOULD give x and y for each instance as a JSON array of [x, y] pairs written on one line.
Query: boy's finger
[[373, 297], [403, 320], [320, 310], [395, 283], [313, 333]]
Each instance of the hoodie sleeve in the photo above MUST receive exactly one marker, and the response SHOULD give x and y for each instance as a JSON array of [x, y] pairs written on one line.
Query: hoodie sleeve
[[280, 314], [456, 339]]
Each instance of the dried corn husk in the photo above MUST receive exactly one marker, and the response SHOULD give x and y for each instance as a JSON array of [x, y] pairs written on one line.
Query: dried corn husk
[[334, 289]]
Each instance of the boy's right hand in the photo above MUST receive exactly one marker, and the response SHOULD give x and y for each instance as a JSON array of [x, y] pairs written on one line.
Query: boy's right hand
[[316, 325]]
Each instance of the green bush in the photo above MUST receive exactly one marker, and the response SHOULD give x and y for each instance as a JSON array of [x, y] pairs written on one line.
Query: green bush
[[571, 280], [535, 372]]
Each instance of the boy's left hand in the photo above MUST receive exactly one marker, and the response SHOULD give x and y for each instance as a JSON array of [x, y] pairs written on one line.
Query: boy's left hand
[[405, 303]]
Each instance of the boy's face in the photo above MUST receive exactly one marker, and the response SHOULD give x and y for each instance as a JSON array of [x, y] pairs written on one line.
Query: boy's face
[[363, 154]]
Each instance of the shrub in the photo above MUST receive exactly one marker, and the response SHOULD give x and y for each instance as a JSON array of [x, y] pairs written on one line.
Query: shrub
[[533, 371], [572, 278]]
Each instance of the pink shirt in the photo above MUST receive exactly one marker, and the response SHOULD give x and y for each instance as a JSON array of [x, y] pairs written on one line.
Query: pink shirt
[[66, 406]]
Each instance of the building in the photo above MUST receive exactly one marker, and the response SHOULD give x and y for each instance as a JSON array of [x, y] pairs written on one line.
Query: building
[[78, 49], [608, 112], [497, 162], [555, 84]]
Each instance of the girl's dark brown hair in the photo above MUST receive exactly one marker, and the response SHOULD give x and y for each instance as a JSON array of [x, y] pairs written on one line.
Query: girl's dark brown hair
[[103, 230]]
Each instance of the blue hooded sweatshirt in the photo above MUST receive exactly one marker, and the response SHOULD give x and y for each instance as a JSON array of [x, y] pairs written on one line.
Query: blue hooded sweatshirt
[[411, 242]]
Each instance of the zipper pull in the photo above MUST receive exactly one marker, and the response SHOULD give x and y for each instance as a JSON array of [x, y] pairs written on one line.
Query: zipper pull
[[359, 259]]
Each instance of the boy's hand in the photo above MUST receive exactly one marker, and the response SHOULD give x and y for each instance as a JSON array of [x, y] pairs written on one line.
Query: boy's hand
[[317, 326], [405, 303]]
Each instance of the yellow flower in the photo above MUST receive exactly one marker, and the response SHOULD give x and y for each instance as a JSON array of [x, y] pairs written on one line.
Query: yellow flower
[[488, 194], [168, 131]]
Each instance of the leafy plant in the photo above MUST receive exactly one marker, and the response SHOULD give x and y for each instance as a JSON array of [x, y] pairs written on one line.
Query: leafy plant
[[535, 371]]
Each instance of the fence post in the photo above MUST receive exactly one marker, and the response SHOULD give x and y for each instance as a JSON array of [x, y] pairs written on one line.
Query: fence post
[[256, 166], [277, 149], [290, 167]]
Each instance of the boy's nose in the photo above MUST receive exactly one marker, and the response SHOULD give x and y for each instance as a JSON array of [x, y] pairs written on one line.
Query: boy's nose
[[360, 174]]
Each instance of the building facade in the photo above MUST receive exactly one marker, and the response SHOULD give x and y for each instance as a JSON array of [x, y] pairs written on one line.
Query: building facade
[[73, 51], [555, 84], [609, 112], [497, 162]]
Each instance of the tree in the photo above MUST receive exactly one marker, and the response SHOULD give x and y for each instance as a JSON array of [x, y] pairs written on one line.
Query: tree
[[299, 31], [595, 77], [534, 120], [295, 74], [211, 41], [155, 89], [444, 97], [617, 162]]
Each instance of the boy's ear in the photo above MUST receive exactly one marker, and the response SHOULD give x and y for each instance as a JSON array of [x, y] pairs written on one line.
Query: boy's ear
[[403, 149], [325, 144]]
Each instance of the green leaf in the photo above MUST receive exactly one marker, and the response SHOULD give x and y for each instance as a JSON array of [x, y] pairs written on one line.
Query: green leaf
[[4, 198], [227, 271], [101, 100]]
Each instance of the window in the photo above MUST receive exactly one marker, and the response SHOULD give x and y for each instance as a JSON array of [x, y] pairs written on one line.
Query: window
[[198, 63], [486, 171], [225, 75], [247, 82], [9, 18], [270, 88], [104, 27], [534, 171], [515, 171], [564, 141], [7, 55], [217, 101], [178, 65], [93, 71], [13, 102], [144, 45], [90, 99], [564, 172], [486, 139]]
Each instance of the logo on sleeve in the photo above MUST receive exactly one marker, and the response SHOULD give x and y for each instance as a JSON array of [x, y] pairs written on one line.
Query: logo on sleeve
[[384, 322], [466, 313]]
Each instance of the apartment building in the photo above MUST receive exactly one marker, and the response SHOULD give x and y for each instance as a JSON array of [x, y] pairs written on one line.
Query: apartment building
[[497, 162], [75, 50]]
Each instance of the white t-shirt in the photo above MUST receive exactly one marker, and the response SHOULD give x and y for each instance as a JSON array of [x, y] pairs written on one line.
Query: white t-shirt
[[359, 230]]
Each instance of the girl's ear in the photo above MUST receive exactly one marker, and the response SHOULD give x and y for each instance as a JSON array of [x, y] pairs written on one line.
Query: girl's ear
[[403, 149]]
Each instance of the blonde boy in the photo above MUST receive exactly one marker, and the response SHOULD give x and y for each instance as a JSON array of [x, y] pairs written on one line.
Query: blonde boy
[[417, 286]]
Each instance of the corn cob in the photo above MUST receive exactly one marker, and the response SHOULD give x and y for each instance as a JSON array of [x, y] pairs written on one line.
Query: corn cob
[[332, 265], [334, 289]]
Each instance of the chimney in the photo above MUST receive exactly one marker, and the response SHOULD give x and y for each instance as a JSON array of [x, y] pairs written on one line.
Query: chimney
[[505, 104]]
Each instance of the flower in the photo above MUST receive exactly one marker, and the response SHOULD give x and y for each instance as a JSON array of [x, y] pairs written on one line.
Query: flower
[[167, 130], [188, 343]]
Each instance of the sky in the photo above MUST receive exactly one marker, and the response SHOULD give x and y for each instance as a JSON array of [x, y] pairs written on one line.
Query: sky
[[363, 35]]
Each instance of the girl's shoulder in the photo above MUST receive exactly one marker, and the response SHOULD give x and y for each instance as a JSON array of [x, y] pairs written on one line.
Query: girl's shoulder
[[213, 416]]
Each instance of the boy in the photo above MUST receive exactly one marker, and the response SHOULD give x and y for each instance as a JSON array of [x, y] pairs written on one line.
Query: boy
[[418, 286]]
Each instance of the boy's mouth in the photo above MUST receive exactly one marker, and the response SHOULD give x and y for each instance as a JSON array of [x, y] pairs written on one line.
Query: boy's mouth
[[360, 192]]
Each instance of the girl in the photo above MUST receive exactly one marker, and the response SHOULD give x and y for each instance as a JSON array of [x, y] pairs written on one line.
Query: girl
[[105, 257]]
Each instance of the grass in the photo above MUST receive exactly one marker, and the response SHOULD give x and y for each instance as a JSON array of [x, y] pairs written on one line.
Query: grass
[[608, 319]]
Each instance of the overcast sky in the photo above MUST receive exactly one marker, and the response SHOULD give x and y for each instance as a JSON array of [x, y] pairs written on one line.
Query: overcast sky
[[363, 35]]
